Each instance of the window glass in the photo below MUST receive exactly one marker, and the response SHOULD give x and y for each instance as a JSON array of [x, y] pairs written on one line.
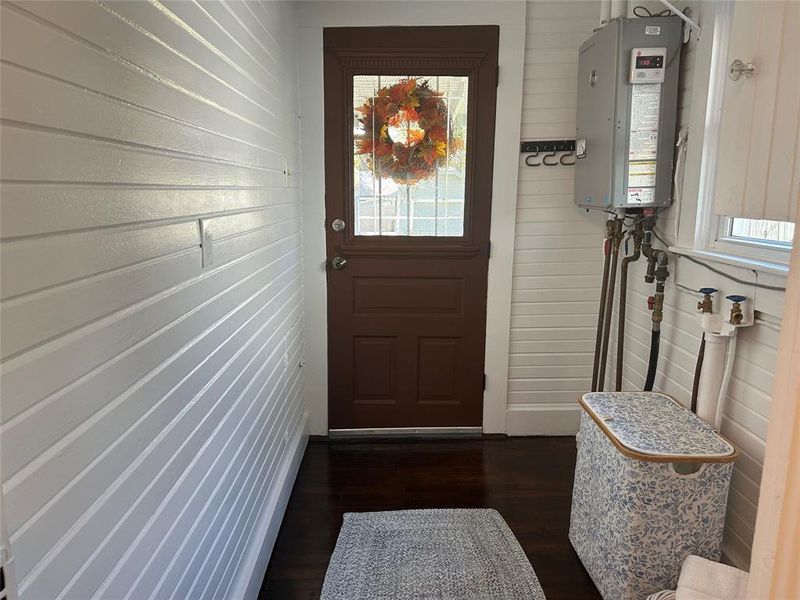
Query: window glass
[[773, 232], [409, 160]]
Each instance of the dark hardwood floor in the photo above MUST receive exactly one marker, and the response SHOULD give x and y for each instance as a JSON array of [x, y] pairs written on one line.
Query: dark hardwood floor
[[528, 480]]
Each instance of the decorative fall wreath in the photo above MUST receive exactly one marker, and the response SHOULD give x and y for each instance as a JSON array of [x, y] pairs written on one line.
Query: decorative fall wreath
[[406, 132]]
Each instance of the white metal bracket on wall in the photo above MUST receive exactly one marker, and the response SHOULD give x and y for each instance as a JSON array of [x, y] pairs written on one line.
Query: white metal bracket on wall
[[680, 14]]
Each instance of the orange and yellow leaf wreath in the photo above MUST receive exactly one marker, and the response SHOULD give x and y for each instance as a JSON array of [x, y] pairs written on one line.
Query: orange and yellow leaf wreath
[[406, 132]]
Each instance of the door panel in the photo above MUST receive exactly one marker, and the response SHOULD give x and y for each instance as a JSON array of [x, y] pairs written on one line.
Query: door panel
[[408, 295], [438, 361], [409, 130], [374, 360]]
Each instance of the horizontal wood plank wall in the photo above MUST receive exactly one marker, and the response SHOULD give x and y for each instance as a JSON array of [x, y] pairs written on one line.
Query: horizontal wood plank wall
[[557, 257], [747, 406], [150, 405], [556, 282]]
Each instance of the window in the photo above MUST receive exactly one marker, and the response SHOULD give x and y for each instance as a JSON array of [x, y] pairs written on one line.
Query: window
[[773, 233], [409, 163], [759, 239]]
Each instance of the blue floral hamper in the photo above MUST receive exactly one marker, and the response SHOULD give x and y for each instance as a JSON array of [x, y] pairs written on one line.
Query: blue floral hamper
[[635, 515]]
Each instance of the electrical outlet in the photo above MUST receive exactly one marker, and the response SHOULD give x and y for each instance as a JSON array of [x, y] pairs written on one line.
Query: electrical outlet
[[206, 244]]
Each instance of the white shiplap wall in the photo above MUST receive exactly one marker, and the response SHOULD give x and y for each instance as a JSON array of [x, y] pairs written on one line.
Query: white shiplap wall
[[747, 404], [557, 259], [556, 282], [152, 408]]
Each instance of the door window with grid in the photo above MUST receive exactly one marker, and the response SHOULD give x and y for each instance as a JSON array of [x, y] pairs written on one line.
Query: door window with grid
[[409, 154]]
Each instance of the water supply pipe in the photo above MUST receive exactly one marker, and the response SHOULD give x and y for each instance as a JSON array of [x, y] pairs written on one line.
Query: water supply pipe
[[638, 236], [601, 311], [649, 277], [718, 365], [711, 376], [706, 308], [726, 380], [616, 242], [660, 273]]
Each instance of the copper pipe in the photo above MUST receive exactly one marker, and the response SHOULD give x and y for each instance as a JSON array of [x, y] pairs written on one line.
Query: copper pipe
[[638, 235], [603, 292], [616, 242]]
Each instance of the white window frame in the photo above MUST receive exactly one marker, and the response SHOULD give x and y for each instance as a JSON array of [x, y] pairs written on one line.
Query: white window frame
[[701, 233]]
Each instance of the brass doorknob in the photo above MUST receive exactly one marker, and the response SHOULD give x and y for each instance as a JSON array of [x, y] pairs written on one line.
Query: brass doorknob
[[338, 263]]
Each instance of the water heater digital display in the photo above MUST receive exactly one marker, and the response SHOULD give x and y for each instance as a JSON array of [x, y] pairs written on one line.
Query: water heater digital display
[[647, 65], [649, 62]]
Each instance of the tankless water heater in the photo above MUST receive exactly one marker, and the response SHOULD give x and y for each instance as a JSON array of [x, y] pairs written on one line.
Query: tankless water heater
[[626, 119]]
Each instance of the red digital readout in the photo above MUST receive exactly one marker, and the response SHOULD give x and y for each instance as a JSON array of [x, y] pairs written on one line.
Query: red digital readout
[[649, 62]]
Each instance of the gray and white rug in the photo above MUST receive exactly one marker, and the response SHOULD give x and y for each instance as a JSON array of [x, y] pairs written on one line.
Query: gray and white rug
[[448, 554]]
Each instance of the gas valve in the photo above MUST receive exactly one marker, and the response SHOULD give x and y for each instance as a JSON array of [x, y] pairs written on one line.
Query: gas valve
[[651, 302]]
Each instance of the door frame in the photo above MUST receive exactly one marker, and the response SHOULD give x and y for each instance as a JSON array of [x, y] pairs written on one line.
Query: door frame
[[428, 51], [314, 16]]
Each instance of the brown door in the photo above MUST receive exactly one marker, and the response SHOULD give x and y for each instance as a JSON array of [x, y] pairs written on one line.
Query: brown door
[[409, 135]]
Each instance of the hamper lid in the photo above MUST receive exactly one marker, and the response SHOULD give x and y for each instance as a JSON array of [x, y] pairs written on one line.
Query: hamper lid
[[652, 426]]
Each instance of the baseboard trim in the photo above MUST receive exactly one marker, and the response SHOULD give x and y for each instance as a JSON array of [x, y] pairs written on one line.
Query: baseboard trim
[[251, 572], [542, 419]]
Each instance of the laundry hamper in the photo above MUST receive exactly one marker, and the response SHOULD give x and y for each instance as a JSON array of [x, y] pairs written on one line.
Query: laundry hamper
[[635, 516]]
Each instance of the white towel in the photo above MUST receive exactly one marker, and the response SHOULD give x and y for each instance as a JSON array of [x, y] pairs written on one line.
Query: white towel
[[703, 579]]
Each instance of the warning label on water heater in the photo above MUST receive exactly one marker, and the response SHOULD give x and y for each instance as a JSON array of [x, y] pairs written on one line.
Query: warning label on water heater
[[645, 104], [642, 173], [645, 195], [643, 143]]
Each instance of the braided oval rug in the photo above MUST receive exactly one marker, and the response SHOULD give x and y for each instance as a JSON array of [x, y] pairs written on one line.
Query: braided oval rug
[[443, 554]]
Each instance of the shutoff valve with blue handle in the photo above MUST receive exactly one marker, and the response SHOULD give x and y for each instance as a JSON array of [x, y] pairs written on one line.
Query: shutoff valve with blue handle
[[706, 305], [736, 308]]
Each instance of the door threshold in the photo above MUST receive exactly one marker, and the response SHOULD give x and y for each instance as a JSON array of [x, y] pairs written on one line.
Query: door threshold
[[407, 432]]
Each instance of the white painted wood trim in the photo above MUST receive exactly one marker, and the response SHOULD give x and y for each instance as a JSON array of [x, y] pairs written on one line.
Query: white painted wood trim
[[776, 547], [248, 580], [543, 419], [504, 208], [697, 220], [510, 16]]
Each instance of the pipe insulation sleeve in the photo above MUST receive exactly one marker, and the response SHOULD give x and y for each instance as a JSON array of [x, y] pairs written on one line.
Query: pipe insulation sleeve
[[726, 380], [711, 377]]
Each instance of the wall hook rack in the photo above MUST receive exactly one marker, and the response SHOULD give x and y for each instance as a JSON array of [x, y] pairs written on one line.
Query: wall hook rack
[[552, 148]]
